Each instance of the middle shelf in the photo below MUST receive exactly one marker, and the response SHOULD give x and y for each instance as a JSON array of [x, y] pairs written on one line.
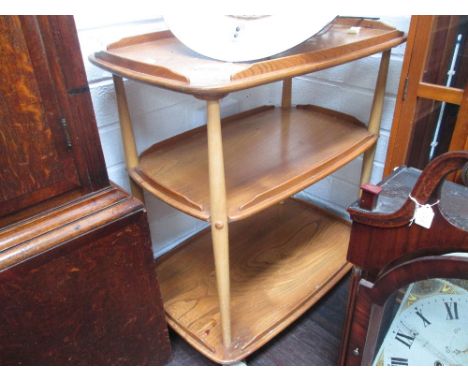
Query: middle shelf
[[270, 153]]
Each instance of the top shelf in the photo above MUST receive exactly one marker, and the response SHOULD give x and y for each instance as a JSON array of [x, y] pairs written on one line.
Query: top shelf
[[161, 60]]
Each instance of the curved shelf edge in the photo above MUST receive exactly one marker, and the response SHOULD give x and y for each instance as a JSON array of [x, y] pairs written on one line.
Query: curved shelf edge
[[256, 179], [120, 58], [172, 198], [275, 195]]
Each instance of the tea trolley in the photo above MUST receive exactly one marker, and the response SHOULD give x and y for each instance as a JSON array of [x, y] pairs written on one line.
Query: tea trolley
[[266, 257]]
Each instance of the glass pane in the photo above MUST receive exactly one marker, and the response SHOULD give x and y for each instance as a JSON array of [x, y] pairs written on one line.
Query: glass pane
[[433, 128], [425, 323], [447, 60]]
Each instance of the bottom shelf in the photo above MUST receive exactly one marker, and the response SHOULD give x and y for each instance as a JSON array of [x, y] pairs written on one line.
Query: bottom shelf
[[282, 261]]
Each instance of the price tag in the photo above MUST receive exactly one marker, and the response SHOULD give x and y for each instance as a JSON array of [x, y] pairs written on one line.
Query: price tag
[[423, 215]]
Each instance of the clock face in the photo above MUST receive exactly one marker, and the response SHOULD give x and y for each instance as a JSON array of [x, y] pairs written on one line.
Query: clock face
[[428, 329]]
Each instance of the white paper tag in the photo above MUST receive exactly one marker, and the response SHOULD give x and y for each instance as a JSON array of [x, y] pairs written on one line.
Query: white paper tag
[[423, 215]]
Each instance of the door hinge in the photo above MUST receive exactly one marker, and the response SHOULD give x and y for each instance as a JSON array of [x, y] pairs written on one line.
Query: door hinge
[[64, 125]]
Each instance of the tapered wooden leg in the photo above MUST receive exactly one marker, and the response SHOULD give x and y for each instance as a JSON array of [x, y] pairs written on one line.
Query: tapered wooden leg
[[219, 223], [286, 94], [376, 115], [128, 139]]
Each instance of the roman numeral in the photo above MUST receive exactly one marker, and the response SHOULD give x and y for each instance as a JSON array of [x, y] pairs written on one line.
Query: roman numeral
[[452, 310], [426, 322], [396, 361], [405, 339]]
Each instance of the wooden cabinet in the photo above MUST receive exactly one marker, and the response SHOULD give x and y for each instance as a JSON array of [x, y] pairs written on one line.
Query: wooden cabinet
[[265, 259], [392, 255], [47, 148], [77, 284], [432, 101]]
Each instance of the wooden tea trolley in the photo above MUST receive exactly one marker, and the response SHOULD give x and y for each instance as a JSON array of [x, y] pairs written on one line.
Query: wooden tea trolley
[[273, 259]]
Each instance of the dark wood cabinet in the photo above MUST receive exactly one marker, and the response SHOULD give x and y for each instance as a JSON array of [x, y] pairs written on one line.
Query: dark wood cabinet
[[77, 280], [407, 276], [431, 112], [47, 145]]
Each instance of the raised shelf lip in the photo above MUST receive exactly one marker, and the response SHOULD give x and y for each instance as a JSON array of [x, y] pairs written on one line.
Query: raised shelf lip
[[266, 198], [289, 64]]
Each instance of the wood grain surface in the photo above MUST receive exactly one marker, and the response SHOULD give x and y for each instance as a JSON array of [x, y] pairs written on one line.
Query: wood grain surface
[[79, 289], [269, 154], [450, 215], [49, 144], [313, 340], [34, 160], [282, 261], [160, 59], [388, 252]]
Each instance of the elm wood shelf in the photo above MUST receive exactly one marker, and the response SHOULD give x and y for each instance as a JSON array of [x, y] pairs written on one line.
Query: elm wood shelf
[[269, 153], [160, 59], [282, 261], [234, 172]]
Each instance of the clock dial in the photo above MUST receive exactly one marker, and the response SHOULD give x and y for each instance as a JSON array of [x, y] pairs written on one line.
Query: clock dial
[[428, 330]]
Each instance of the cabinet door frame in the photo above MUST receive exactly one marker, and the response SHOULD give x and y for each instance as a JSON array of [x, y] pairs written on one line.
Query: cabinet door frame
[[411, 88], [50, 47], [73, 93]]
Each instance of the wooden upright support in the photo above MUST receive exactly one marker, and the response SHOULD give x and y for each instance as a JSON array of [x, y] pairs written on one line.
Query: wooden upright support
[[128, 138], [287, 93], [376, 115], [219, 221]]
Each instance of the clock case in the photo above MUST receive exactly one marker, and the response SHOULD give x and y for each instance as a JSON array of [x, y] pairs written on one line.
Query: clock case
[[388, 253]]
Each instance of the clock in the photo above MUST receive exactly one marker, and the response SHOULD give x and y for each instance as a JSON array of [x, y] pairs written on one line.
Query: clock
[[408, 299], [430, 326], [237, 38]]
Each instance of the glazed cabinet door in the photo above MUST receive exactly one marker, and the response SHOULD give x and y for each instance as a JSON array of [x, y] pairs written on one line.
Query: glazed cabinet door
[[36, 159], [431, 114]]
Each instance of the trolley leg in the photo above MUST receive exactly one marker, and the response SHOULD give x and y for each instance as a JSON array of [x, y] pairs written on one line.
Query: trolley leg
[[128, 139], [286, 94], [376, 115], [219, 223]]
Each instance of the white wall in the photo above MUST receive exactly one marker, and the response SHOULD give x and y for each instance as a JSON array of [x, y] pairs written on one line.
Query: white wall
[[158, 114]]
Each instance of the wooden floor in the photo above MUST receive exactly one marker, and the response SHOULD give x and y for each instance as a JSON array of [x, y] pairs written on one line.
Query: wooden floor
[[312, 340]]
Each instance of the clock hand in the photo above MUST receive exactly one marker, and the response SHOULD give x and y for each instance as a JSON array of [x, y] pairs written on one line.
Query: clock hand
[[456, 351], [436, 352], [430, 347]]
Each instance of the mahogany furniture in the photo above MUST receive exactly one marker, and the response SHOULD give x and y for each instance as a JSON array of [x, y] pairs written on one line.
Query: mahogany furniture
[[432, 95], [77, 285], [231, 288], [387, 252]]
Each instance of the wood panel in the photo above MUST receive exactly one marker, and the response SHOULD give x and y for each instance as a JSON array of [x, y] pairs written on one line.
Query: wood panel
[[313, 340], [406, 98], [430, 43], [390, 219], [269, 154], [460, 132], [440, 93], [282, 261], [72, 91], [82, 292], [41, 225], [388, 252], [49, 143], [160, 59], [35, 161], [77, 284]]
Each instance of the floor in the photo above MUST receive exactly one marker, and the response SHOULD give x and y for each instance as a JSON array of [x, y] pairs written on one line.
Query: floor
[[313, 340]]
